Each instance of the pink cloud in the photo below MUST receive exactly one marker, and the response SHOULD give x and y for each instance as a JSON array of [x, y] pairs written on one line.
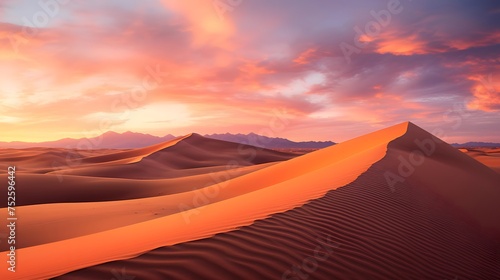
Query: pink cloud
[[486, 92]]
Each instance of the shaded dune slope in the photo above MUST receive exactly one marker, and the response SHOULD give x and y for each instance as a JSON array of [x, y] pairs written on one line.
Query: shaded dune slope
[[438, 223]]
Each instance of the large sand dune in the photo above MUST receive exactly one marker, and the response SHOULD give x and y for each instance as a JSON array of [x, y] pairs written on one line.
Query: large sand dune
[[394, 204]]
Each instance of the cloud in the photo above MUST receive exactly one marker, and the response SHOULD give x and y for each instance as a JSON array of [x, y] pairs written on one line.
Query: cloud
[[203, 22], [305, 57], [486, 91], [235, 70]]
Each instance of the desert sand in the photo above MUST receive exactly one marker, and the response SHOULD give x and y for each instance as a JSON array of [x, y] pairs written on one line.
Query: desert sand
[[394, 204], [487, 156]]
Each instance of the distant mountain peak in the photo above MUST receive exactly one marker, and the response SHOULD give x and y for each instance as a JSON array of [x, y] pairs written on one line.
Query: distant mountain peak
[[269, 142], [476, 145]]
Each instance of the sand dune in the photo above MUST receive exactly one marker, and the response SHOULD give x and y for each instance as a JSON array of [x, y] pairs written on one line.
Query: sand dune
[[487, 156], [47, 160], [123, 205], [433, 217], [183, 156], [86, 218], [44, 160], [92, 189], [183, 164], [364, 230], [132, 155]]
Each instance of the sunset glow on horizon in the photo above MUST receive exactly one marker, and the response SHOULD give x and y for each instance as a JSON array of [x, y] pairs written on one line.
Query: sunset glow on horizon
[[329, 70]]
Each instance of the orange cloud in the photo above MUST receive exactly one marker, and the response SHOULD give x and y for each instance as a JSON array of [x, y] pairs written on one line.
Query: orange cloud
[[205, 22], [486, 91], [394, 42], [489, 39], [305, 57], [401, 46], [250, 76]]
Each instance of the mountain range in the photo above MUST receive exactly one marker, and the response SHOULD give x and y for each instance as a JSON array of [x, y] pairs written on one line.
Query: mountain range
[[132, 140], [476, 145]]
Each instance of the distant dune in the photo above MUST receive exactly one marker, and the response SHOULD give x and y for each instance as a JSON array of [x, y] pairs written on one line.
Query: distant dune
[[192, 155], [394, 204], [487, 156]]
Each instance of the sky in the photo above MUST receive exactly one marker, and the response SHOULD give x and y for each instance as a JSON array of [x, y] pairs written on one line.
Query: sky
[[303, 70]]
